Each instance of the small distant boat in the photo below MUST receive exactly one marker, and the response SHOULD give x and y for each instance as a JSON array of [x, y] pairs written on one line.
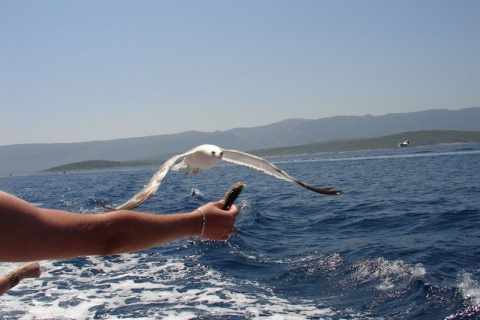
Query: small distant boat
[[403, 144]]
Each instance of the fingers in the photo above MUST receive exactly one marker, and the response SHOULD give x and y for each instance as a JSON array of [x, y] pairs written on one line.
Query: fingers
[[233, 208], [219, 223], [33, 270], [220, 204], [29, 270]]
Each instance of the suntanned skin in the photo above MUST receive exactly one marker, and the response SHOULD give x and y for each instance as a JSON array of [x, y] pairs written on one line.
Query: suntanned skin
[[28, 233], [29, 270]]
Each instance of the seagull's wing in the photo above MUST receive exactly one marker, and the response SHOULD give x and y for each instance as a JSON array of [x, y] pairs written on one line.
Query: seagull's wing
[[261, 164], [150, 188]]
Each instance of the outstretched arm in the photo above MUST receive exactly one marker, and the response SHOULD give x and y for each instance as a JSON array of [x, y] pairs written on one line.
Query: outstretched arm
[[13, 277], [29, 233]]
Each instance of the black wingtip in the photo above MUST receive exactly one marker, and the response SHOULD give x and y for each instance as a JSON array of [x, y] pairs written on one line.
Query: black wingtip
[[105, 206], [328, 191]]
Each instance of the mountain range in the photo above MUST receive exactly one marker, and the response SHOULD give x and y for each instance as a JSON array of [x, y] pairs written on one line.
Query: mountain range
[[31, 158]]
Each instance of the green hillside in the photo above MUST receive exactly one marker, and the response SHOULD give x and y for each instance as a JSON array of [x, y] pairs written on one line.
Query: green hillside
[[417, 138], [98, 165]]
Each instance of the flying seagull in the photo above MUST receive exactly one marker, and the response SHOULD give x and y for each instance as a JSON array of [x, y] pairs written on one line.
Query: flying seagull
[[402, 144], [204, 157]]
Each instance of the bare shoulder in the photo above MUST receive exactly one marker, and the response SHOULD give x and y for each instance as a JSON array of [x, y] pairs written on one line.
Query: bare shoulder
[[12, 204], [7, 197]]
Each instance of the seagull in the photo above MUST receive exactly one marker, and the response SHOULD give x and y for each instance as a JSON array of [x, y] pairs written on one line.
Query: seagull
[[402, 144], [205, 157]]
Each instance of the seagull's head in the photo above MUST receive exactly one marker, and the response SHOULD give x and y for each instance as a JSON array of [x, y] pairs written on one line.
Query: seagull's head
[[216, 152]]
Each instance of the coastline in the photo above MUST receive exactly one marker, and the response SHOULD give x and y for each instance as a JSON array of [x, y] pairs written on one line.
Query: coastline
[[140, 167]]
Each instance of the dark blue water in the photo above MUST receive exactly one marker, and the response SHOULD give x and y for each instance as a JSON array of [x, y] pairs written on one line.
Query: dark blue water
[[403, 242]]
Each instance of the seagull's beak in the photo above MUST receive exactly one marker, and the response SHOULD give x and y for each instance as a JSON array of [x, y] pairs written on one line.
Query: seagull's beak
[[218, 155]]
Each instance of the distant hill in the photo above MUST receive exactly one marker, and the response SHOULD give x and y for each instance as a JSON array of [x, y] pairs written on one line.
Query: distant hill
[[98, 165], [418, 138], [295, 132], [30, 158]]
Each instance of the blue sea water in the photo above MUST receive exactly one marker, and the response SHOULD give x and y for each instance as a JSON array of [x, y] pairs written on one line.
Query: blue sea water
[[402, 242]]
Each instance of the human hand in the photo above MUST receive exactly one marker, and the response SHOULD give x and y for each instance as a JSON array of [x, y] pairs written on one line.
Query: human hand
[[29, 270], [219, 223]]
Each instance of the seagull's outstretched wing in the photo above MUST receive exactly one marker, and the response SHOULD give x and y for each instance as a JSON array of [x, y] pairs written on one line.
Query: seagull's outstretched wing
[[150, 188], [261, 164]]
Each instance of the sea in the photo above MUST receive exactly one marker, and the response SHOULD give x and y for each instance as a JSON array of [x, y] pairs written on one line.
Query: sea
[[402, 242]]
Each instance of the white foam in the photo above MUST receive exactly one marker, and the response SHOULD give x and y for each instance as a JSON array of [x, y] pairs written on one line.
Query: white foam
[[470, 288], [388, 274], [168, 289]]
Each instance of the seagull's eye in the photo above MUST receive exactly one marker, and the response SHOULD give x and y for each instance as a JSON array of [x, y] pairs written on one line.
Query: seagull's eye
[[213, 153]]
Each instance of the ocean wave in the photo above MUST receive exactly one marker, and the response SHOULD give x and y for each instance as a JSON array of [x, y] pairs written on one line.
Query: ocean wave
[[135, 286], [400, 243]]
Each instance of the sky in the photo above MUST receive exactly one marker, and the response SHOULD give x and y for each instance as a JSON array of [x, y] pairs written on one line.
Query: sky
[[73, 71]]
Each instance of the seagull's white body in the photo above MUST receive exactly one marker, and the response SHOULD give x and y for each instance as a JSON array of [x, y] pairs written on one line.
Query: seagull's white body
[[403, 144], [197, 158], [205, 157]]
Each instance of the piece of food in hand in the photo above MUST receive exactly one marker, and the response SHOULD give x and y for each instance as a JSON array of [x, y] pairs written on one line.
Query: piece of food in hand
[[233, 194]]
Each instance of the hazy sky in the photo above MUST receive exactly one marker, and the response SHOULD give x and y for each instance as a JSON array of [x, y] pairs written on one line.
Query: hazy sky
[[97, 70]]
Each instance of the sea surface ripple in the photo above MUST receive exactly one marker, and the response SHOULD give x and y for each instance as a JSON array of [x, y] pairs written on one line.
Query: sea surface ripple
[[402, 242]]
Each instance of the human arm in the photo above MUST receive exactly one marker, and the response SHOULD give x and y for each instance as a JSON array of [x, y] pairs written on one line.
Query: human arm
[[29, 233], [11, 279]]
